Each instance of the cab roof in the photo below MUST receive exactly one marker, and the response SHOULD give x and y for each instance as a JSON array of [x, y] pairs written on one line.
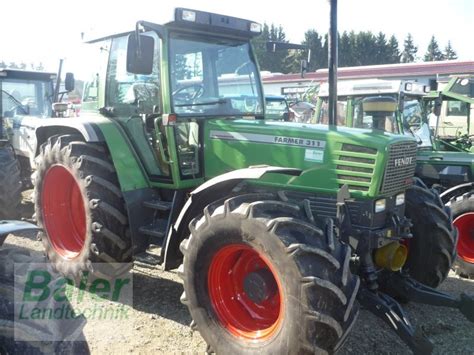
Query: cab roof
[[198, 22], [26, 75], [375, 87]]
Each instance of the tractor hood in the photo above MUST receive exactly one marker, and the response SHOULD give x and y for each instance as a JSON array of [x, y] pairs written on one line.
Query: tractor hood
[[336, 156]]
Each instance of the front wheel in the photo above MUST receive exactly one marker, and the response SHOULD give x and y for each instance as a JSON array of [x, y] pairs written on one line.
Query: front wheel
[[463, 216], [432, 250], [259, 278]]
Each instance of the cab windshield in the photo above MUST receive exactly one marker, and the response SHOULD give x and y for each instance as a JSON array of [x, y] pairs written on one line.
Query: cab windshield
[[20, 97], [375, 112], [213, 77]]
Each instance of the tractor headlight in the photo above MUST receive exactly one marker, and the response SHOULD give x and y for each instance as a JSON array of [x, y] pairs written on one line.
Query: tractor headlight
[[188, 16], [255, 27], [400, 199], [380, 205]]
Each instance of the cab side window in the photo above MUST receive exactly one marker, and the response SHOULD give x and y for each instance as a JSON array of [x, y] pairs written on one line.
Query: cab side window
[[129, 93]]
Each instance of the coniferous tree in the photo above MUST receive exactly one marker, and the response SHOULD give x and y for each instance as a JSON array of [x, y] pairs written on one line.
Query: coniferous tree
[[365, 48], [353, 45], [433, 52], [314, 42], [381, 49], [449, 52], [345, 50], [409, 50], [271, 61], [393, 55]]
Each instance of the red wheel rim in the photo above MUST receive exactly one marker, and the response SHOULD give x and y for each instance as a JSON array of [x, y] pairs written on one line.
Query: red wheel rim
[[236, 311], [63, 212], [465, 225]]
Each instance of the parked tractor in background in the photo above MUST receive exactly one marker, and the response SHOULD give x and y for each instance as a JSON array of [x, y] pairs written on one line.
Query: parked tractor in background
[[27, 99], [276, 108], [444, 157], [272, 224], [452, 127]]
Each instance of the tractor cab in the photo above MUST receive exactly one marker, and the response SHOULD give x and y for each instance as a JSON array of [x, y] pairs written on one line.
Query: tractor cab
[[439, 121], [25, 93], [451, 114], [163, 81], [26, 98], [393, 106]]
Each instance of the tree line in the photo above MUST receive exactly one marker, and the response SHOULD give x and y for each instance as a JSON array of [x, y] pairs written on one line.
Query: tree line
[[355, 49]]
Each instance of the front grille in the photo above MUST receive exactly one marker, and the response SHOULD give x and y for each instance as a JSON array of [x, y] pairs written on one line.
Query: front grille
[[355, 166], [400, 168]]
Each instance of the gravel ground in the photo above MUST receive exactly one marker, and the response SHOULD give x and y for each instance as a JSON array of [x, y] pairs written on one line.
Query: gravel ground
[[158, 322]]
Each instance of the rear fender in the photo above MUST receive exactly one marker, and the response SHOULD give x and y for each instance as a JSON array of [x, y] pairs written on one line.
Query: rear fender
[[212, 190], [458, 190], [97, 129]]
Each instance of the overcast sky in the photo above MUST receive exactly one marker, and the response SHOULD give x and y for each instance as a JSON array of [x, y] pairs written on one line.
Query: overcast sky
[[43, 31]]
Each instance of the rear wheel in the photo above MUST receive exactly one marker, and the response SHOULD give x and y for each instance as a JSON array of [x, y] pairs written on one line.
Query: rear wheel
[[35, 336], [463, 215], [79, 204], [260, 278], [432, 250], [10, 184]]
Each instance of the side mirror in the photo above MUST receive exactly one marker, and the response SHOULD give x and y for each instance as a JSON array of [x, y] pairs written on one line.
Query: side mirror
[[401, 102], [140, 54], [437, 106], [69, 82]]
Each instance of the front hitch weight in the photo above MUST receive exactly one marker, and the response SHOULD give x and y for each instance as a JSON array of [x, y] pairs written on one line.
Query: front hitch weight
[[386, 308], [414, 291]]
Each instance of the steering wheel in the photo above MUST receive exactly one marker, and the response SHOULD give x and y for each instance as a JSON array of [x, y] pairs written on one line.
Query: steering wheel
[[198, 91]]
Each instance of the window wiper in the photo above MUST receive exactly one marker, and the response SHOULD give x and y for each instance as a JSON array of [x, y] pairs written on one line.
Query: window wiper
[[18, 103], [204, 103]]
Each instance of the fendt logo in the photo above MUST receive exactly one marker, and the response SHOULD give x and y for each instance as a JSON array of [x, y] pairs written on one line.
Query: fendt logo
[[403, 161]]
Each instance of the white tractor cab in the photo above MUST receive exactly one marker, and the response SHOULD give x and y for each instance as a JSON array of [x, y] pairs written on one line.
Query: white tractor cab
[[375, 104], [452, 113], [405, 107]]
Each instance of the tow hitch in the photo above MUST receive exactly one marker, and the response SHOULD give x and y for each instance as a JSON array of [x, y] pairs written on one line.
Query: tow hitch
[[386, 308]]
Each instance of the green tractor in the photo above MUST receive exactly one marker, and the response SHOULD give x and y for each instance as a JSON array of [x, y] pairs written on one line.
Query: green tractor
[[444, 159], [450, 162], [280, 230]]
